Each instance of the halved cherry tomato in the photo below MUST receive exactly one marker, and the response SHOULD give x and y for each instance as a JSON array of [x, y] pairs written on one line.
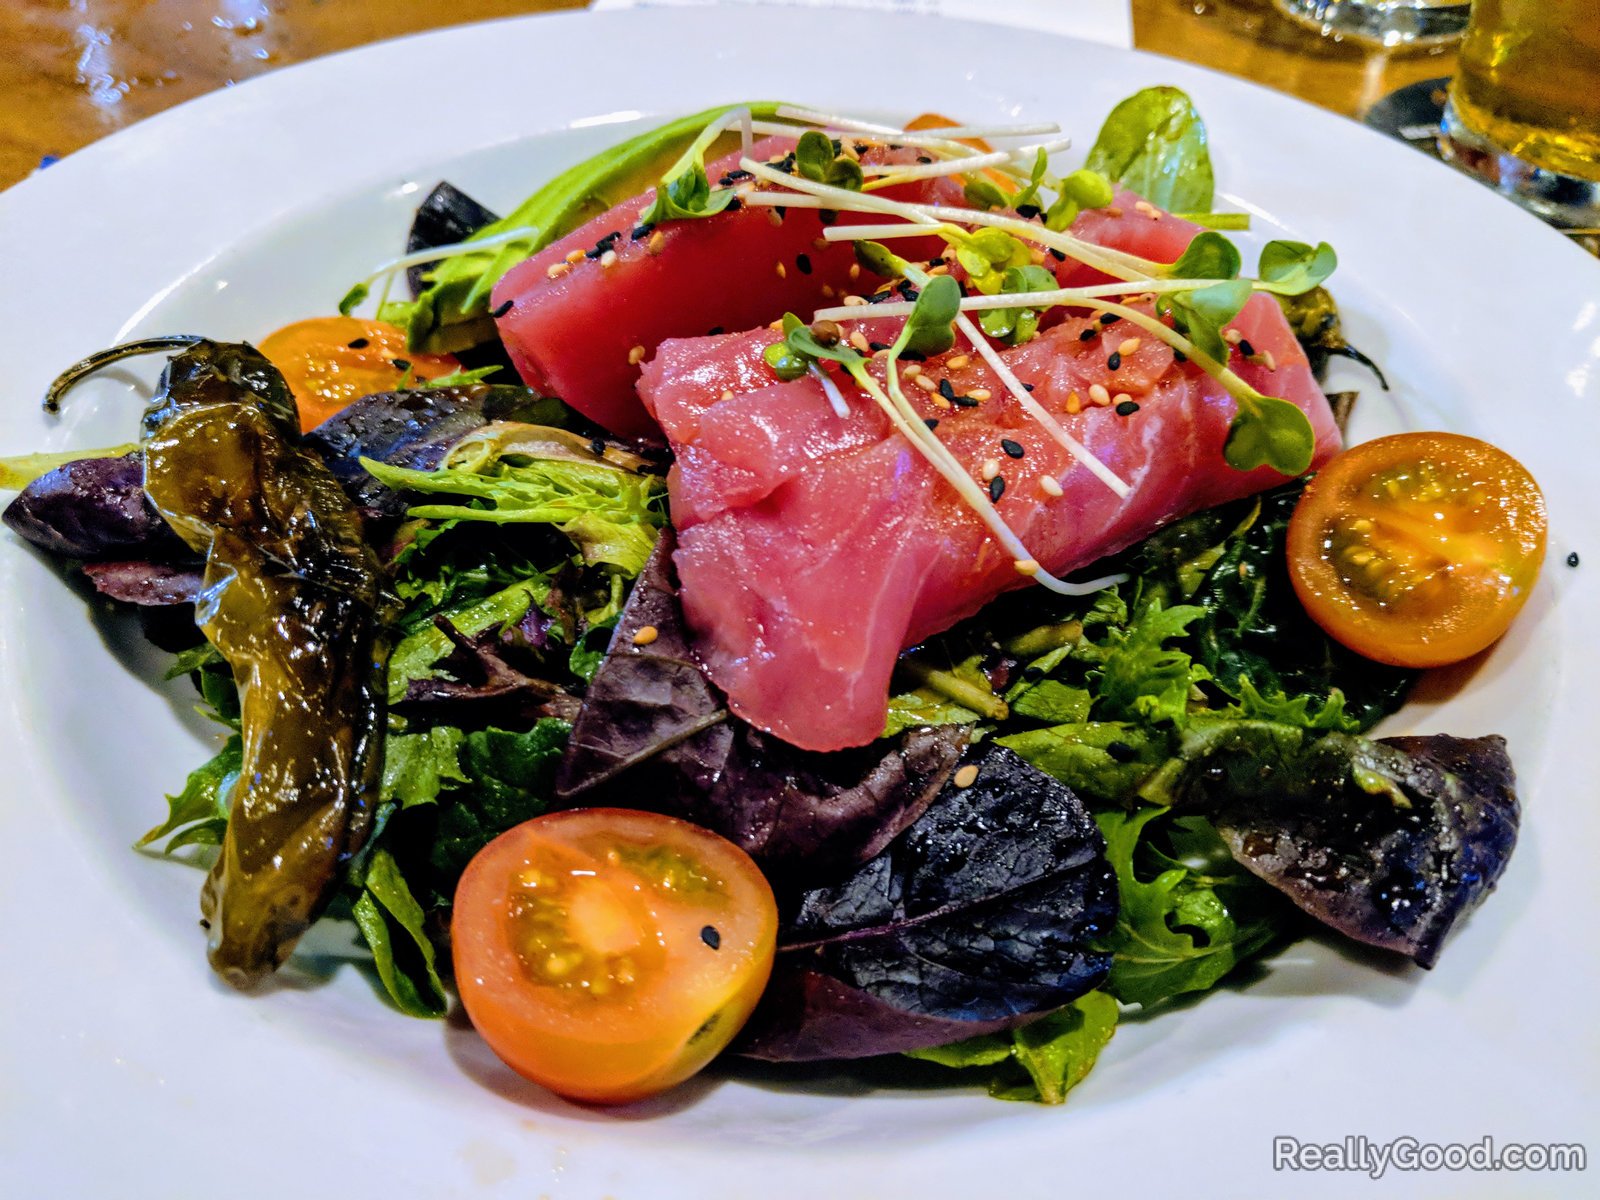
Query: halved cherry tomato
[[609, 954], [1417, 549], [330, 361], [933, 120]]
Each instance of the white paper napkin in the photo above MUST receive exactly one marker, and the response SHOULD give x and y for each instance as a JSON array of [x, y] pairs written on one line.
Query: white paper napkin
[[1106, 21]]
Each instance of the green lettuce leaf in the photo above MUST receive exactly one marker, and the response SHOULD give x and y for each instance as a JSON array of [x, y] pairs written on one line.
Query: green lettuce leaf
[[1041, 1061], [417, 766], [198, 814], [1185, 926], [392, 922]]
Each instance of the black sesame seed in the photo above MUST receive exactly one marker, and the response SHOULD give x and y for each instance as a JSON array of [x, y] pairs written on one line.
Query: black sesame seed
[[1121, 751], [997, 487], [502, 310], [597, 446], [803, 261], [710, 936], [1027, 387], [906, 290], [714, 330], [945, 390], [781, 211], [1089, 334], [931, 422], [596, 251], [1109, 318], [1114, 362], [1179, 356], [735, 204], [1058, 255], [827, 216], [1013, 449], [358, 343], [876, 346], [1572, 559], [862, 147], [1246, 349], [924, 159], [1027, 211], [1127, 408], [640, 232], [963, 402], [401, 364]]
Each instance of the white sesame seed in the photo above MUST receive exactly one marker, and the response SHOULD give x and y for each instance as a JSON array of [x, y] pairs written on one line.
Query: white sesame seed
[[966, 776], [926, 384], [1026, 566], [1049, 486], [1074, 404], [859, 341], [608, 259], [783, 271], [1098, 394], [1128, 346], [911, 370], [557, 269], [1232, 336], [990, 468], [956, 363], [855, 270], [773, 218], [1267, 361], [727, 393], [979, 394], [636, 356], [1121, 398], [646, 635], [575, 257], [853, 301], [1113, 210], [657, 240]]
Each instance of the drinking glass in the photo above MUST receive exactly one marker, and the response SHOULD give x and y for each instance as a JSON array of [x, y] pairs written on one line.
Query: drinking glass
[[1524, 107], [1388, 22]]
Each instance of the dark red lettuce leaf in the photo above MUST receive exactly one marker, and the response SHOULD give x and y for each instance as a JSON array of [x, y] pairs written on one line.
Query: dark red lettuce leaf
[[655, 733], [446, 215], [1389, 842], [482, 683], [146, 584], [983, 915], [414, 429], [91, 509]]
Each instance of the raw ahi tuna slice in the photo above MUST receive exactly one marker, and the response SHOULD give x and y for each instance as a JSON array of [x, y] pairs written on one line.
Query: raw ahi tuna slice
[[581, 332], [812, 549]]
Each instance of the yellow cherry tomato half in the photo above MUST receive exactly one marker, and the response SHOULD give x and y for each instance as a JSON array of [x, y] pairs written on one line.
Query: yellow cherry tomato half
[[1417, 549], [609, 954], [328, 362]]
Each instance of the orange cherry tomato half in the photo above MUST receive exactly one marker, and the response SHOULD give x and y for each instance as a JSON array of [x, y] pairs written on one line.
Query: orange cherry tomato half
[[1417, 549], [609, 954], [328, 362]]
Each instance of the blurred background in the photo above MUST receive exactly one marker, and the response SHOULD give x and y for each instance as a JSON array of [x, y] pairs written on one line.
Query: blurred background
[[76, 70]]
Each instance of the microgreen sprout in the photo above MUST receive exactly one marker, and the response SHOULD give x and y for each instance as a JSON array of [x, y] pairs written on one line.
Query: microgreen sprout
[[685, 191], [1294, 268], [818, 158]]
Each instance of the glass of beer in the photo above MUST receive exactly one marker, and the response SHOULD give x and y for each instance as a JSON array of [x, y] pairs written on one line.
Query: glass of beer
[[1387, 22], [1524, 107]]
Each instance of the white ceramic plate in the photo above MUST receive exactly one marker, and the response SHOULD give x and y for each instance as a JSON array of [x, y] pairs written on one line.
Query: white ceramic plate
[[125, 1069]]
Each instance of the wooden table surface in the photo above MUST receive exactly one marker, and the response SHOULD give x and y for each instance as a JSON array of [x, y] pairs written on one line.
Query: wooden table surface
[[73, 71]]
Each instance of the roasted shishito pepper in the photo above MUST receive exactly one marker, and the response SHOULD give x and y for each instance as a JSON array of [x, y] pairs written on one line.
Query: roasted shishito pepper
[[293, 599]]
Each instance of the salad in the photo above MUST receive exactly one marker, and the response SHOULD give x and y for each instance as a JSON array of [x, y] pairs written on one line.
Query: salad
[[888, 617]]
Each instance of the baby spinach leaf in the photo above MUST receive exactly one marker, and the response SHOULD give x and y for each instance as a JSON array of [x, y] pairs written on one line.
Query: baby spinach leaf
[[1154, 143]]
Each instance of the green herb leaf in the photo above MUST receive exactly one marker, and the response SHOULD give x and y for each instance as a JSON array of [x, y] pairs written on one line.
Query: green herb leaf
[[1154, 143], [198, 814], [1043, 1060], [461, 378], [1186, 927], [1294, 268], [813, 155], [1216, 220], [1267, 431], [1209, 256], [1143, 679], [1036, 176], [1088, 189], [511, 778], [930, 327], [353, 298], [880, 260], [417, 766], [982, 194], [407, 965], [1017, 325]]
